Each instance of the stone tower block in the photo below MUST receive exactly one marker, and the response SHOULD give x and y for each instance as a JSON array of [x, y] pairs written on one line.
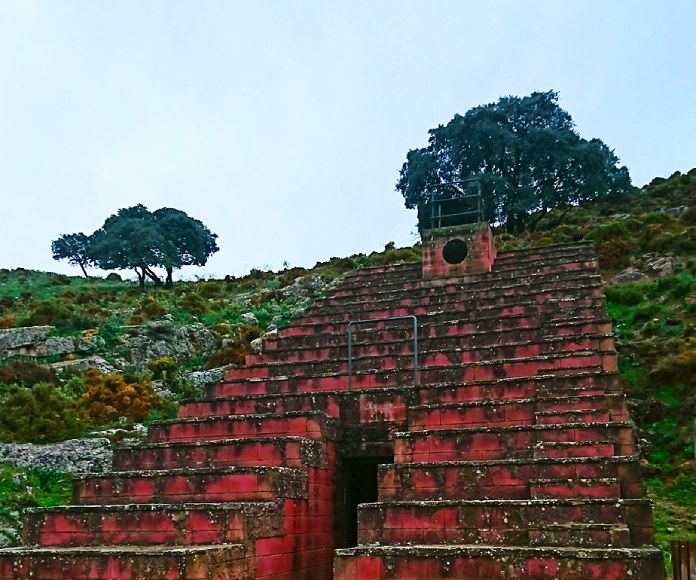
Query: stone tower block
[[458, 250]]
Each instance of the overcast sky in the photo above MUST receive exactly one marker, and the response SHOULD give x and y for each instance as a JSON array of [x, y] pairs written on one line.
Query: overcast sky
[[282, 125]]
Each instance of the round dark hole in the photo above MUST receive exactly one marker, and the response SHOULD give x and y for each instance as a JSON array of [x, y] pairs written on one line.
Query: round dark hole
[[455, 251]]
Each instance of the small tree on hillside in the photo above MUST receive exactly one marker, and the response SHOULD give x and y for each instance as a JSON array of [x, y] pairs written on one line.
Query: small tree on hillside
[[526, 154], [73, 248], [136, 239]]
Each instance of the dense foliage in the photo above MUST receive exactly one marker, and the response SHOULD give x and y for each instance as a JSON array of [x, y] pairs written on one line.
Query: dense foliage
[[526, 155], [139, 240]]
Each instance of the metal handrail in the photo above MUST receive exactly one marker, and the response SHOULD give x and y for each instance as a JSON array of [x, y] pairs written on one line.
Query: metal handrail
[[436, 214], [388, 318]]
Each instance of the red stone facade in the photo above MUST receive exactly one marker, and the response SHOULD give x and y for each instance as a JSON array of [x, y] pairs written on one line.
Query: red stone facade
[[473, 251], [512, 457]]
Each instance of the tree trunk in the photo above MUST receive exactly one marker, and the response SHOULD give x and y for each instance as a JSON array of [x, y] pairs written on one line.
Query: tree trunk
[[141, 278], [169, 282], [154, 277]]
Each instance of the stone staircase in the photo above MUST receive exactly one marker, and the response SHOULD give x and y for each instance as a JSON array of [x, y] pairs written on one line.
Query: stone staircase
[[513, 456]]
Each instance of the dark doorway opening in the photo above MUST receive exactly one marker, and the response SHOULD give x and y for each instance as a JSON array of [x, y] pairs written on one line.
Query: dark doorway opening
[[359, 486]]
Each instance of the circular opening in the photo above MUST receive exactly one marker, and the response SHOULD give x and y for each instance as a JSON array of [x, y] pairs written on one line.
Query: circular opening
[[455, 251]]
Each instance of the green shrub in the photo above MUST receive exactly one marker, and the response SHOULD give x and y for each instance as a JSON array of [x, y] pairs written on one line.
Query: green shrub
[[38, 414], [626, 294], [109, 397], [173, 378], [22, 488], [61, 280], [194, 304], [48, 312], [688, 216], [151, 309], [211, 289]]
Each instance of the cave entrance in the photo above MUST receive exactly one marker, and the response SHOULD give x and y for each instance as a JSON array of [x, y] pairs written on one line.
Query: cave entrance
[[359, 486]]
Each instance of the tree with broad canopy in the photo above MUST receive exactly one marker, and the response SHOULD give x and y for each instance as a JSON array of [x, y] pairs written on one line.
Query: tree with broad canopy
[[136, 239], [525, 153], [74, 249]]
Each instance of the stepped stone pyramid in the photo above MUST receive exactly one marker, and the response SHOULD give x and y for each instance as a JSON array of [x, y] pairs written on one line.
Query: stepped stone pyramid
[[508, 454]]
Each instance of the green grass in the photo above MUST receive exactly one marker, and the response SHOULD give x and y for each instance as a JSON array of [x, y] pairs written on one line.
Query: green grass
[[24, 488]]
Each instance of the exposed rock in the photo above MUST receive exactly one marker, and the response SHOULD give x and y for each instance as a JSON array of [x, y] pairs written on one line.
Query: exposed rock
[[314, 282], [250, 318], [199, 378], [35, 341], [628, 276], [144, 344], [14, 341], [75, 456], [82, 364], [660, 267], [256, 345]]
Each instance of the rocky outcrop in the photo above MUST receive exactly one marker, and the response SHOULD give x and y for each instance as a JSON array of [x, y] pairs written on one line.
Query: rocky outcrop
[[37, 341], [75, 456], [159, 338], [82, 364]]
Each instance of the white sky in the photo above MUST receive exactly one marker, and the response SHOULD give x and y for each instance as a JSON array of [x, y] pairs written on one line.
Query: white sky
[[282, 125]]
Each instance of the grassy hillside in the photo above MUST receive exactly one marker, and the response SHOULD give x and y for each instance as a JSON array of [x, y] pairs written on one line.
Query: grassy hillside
[[654, 314]]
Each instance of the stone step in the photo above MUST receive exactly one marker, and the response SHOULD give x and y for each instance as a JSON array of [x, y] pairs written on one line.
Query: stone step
[[562, 364], [489, 413], [518, 411], [447, 323], [517, 442], [563, 449], [504, 478], [368, 342], [496, 281], [356, 406], [581, 535], [547, 389], [560, 403], [204, 562], [309, 424], [470, 333], [576, 416], [263, 404], [249, 451], [510, 260], [151, 524], [493, 522], [432, 354], [403, 302], [191, 485], [460, 562], [505, 262], [606, 487], [430, 351]]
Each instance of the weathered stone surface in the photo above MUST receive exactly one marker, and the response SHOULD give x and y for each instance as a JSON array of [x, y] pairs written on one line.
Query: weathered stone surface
[[628, 276], [157, 339], [82, 364], [206, 377], [12, 339], [76, 456], [257, 345], [250, 318], [36, 341], [660, 267]]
